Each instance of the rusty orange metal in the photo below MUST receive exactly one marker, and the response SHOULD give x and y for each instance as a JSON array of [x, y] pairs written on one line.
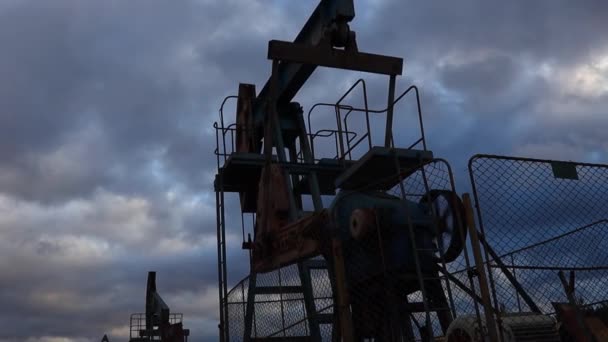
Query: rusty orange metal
[[290, 243]]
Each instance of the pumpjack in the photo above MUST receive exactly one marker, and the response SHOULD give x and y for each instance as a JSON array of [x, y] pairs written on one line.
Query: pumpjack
[[381, 233], [157, 323], [377, 248]]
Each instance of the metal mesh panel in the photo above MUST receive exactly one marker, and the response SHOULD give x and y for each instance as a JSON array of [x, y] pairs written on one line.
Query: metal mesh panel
[[236, 304], [278, 315], [542, 217]]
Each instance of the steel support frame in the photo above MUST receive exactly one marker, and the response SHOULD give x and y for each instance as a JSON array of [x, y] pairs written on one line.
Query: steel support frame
[[324, 54], [293, 63], [274, 138]]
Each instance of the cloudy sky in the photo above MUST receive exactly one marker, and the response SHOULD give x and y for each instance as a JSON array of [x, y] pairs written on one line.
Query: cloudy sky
[[106, 144]]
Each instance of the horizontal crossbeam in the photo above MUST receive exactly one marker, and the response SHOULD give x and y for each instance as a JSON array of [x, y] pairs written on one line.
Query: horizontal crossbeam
[[324, 55]]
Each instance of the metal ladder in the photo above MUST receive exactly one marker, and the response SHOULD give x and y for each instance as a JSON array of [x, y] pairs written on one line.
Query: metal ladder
[[426, 282]]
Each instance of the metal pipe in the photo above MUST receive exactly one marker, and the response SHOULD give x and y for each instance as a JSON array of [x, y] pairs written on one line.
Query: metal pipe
[[339, 134], [482, 233], [219, 267], [388, 135], [481, 275], [515, 276], [420, 117], [222, 121]]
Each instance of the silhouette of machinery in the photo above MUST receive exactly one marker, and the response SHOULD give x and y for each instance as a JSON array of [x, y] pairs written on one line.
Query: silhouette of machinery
[[157, 323], [377, 247]]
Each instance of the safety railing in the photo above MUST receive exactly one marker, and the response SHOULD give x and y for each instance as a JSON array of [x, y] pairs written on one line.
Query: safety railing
[[228, 141], [137, 325], [342, 119], [345, 140]]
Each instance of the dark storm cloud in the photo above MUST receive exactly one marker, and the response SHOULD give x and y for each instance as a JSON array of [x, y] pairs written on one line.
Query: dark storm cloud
[[551, 30], [137, 72], [480, 66], [107, 105]]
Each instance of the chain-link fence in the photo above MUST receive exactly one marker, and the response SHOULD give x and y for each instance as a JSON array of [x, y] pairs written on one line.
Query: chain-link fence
[[278, 308], [399, 245], [536, 219], [540, 218]]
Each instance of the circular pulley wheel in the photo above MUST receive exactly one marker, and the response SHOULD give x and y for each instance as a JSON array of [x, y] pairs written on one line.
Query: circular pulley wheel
[[448, 210]]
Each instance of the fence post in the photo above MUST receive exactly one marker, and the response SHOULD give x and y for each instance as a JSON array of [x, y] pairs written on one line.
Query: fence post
[[481, 275]]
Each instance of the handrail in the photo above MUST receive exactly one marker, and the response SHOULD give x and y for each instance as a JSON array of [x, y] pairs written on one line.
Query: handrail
[[339, 102], [355, 145], [221, 110], [331, 132], [339, 132], [230, 129], [323, 104], [380, 111], [339, 106]]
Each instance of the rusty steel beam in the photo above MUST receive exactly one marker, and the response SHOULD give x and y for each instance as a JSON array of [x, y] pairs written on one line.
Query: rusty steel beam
[[290, 244], [292, 76], [325, 55]]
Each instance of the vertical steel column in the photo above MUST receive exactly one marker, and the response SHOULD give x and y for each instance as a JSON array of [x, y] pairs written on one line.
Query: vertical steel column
[[336, 271], [313, 180], [345, 320], [462, 232], [249, 313], [278, 138], [221, 251], [481, 275], [219, 266], [293, 215], [515, 276], [388, 135]]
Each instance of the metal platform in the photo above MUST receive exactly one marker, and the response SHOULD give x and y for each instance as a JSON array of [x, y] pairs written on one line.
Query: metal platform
[[329, 170], [377, 169], [241, 173]]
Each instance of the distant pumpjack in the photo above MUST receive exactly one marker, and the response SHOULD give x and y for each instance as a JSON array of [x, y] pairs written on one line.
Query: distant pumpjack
[[158, 323]]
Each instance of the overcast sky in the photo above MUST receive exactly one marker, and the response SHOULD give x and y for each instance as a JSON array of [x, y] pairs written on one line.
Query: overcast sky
[[106, 145]]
